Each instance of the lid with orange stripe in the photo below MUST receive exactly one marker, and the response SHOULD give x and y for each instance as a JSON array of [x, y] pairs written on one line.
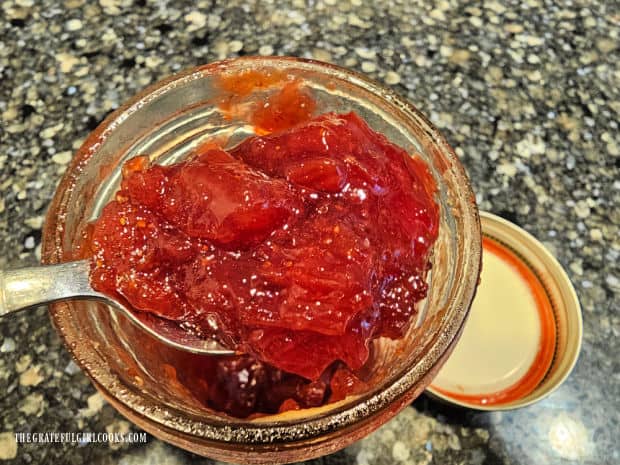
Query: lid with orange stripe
[[524, 330]]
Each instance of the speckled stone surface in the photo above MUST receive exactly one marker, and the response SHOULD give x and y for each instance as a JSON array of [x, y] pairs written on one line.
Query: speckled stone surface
[[528, 94]]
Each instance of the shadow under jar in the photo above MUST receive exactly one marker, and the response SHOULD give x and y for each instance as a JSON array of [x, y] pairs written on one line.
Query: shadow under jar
[[145, 380]]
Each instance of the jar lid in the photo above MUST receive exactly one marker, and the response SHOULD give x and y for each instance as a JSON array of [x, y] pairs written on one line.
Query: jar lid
[[523, 334]]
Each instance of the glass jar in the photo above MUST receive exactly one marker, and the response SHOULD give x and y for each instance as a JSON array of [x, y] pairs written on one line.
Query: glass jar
[[145, 380]]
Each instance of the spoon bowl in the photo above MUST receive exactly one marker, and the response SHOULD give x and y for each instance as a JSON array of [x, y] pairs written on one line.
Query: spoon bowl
[[25, 288]]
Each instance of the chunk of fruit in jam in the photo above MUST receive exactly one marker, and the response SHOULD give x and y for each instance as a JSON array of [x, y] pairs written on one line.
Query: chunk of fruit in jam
[[214, 197], [302, 246]]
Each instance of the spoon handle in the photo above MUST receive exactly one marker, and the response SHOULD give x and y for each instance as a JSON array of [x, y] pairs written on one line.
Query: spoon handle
[[27, 287]]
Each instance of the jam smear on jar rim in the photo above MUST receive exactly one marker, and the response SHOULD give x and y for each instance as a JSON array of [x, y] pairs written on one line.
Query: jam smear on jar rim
[[301, 245]]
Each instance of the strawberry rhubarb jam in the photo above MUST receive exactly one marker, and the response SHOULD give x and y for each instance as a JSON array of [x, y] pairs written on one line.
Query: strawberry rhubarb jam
[[300, 247]]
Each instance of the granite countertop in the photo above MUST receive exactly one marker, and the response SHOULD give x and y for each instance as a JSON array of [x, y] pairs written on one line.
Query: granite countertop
[[529, 96]]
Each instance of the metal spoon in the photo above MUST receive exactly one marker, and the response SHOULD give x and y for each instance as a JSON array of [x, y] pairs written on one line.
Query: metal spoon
[[28, 287]]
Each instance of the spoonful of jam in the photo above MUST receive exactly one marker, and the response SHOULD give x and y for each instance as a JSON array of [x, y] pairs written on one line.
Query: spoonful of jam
[[297, 247]]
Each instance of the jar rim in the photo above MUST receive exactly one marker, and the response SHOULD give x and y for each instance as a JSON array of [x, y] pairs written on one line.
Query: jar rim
[[373, 405]]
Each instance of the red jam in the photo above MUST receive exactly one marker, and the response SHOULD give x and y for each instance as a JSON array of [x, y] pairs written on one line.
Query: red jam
[[281, 110], [301, 246]]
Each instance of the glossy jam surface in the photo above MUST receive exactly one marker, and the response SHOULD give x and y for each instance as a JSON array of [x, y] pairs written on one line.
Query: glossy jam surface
[[300, 246], [291, 105]]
